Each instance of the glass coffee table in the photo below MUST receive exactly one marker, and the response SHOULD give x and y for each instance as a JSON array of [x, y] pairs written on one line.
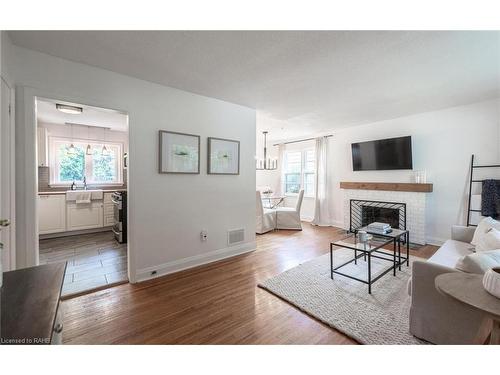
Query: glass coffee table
[[366, 251], [397, 235]]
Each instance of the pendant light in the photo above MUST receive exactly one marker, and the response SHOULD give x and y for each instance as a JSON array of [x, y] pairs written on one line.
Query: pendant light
[[267, 164], [71, 150], [89, 148], [104, 149]]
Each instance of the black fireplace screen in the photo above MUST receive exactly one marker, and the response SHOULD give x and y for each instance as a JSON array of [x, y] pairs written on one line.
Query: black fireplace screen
[[363, 212]]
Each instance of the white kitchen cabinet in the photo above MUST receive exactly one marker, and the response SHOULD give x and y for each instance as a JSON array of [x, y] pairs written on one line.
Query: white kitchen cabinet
[[43, 159], [51, 214], [109, 210], [109, 221], [84, 216]]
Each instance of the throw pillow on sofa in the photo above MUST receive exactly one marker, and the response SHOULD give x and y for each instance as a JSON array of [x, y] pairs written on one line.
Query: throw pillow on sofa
[[482, 229], [479, 262], [489, 241]]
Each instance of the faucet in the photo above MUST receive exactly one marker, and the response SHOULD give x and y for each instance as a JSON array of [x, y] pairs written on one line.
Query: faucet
[[84, 183]]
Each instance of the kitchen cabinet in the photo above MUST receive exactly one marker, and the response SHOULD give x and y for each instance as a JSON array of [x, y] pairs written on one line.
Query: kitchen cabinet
[[51, 214], [57, 214], [109, 210], [42, 146], [84, 216]]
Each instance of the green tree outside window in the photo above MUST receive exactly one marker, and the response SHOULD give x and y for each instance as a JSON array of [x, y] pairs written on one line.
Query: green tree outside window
[[103, 166], [71, 166]]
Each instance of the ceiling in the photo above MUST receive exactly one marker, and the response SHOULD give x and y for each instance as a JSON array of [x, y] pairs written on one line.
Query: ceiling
[[91, 116], [303, 82]]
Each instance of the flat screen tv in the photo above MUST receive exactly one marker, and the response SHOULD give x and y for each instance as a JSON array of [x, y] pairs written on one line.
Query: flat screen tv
[[383, 154]]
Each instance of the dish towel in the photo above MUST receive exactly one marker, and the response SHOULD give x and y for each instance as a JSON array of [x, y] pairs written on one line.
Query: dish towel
[[83, 198], [490, 198]]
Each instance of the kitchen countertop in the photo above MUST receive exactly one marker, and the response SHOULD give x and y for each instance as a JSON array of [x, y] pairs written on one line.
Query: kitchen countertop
[[64, 191]]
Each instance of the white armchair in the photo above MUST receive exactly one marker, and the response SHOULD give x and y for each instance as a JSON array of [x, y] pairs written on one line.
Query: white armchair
[[266, 218], [289, 217]]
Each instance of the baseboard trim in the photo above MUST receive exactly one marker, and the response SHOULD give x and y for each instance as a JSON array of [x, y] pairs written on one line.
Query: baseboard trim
[[194, 261], [338, 224], [74, 233], [333, 224], [435, 241]]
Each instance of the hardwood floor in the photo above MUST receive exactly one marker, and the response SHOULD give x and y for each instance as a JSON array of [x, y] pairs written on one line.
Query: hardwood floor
[[218, 303]]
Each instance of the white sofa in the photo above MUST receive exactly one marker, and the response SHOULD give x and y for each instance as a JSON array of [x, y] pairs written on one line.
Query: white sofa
[[434, 317]]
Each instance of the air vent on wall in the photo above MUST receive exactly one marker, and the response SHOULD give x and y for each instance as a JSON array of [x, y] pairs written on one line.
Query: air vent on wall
[[235, 236]]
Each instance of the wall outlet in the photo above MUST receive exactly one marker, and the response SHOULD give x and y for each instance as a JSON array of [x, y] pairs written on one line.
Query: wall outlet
[[203, 235]]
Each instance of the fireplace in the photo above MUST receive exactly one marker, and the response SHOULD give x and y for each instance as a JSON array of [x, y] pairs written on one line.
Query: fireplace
[[364, 212], [371, 214]]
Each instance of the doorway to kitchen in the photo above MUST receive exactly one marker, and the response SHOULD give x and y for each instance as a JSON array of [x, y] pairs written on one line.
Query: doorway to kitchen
[[82, 160]]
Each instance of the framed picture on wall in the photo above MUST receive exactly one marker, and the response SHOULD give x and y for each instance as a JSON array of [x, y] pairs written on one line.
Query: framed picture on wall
[[179, 153], [223, 156]]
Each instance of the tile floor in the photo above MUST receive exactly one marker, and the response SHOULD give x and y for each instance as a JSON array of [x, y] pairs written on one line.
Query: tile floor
[[94, 260]]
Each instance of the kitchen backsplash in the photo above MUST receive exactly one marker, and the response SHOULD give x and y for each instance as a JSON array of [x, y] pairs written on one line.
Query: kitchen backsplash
[[43, 182]]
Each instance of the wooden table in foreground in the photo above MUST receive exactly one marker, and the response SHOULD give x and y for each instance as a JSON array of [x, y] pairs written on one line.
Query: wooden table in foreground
[[30, 303], [468, 289]]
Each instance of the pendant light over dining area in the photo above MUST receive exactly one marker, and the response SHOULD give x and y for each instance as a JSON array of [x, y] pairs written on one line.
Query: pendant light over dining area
[[267, 164]]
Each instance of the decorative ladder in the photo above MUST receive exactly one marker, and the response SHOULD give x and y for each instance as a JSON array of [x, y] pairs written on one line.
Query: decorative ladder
[[472, 180]]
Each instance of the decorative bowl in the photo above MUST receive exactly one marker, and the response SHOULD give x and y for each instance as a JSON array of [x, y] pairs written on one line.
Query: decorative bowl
[[491, 281]]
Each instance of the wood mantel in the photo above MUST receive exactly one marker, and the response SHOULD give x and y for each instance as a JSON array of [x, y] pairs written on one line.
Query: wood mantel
[[388, 186]]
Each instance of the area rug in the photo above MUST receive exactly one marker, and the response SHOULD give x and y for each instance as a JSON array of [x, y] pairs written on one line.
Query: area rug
[[344, 304]]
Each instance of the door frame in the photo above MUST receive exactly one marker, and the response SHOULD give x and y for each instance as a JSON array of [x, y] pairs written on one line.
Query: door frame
[[27, 182], [12, 180]]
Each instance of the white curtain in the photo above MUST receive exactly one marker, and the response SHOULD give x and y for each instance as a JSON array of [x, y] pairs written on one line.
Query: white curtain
[[322, 214], [281, 169]]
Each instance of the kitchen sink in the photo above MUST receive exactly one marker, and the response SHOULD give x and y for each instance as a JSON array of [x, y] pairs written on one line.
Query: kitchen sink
[[95, 194]]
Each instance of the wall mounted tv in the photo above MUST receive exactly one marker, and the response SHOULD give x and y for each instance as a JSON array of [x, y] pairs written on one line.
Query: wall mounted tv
[[383, 154]]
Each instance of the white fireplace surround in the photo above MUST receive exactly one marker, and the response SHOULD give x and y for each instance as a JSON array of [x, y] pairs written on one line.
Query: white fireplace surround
[[415, 208]]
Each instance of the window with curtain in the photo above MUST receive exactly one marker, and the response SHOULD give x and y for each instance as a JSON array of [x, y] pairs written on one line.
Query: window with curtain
[[299, 172], [97, 167]]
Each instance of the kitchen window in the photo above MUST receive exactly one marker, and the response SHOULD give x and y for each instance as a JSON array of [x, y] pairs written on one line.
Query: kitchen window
[[73, 164], [300, 172]]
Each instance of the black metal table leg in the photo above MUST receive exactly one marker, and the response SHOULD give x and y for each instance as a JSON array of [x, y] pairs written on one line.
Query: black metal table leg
[[355, 257], [394, 257], [331, 262], [407, 249], [399, 252], [369, 273]]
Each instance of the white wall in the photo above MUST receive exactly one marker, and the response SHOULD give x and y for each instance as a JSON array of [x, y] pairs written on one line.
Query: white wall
[[443, 142], [2, 255], [8, 157], [5, 52], [166, 212]]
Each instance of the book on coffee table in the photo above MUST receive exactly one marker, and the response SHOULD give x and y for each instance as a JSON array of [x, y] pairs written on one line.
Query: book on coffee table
[[382, 228]]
